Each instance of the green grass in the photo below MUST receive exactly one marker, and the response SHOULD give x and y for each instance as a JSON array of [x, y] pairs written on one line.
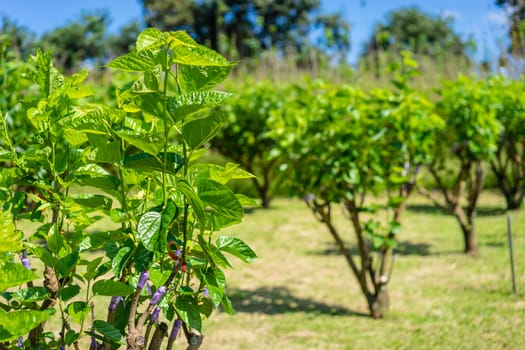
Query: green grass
[[300, 294]]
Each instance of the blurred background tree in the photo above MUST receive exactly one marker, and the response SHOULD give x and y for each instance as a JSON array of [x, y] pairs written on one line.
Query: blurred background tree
[[243, 28], [431, 38], [79, 41], [516, 13]]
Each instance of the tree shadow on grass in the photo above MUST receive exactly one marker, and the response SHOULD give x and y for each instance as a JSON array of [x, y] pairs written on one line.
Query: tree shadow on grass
[[403, 248], [280, 300], [434, 210]]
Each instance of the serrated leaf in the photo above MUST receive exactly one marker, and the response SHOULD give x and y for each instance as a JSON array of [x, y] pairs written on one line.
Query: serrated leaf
[[15, 324], [220, 198], [199, 131], [108, 153], [145, 141], [227, 305], [150, 38], [202, 78], [66, 264], [134, 62], [28, 295], [181, 107], [108, 331], [9, 237], [247, 201], [112, 288], [78, 310], [147, 162], [198, 56], [14, 275], [120, 260], [236, 247], [148, 230], [216, 283], [188, 308], [196, 204], [69, 292], [97, 177], [93, 201], [143, 258], [75, 137]]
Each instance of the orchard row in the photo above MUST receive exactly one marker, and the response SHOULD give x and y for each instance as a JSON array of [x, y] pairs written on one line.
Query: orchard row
[[341, 146]]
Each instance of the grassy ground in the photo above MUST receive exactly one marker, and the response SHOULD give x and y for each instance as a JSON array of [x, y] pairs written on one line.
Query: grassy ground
[[300, 294]]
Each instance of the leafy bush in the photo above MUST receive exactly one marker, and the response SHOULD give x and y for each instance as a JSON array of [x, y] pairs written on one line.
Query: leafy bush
[[136, 164]]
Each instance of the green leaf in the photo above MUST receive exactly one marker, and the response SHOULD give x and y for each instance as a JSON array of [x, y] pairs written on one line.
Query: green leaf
[[112, 288], [202, 78], [150, 38], [108, 153], [247, 201], [75, 137], [120, 260], [68, 263], [147, 162], [221, 174], [220, 198], [68, 293], [15, 324], [236, 247], [216, 282], [134, 62], [78, 310], [71, 337], [108, 331], [93, 201], [180, 38], [28, 295], [96, 176], [5, 155], [148, 230], [143, 258], [198, 208], [187, 307], [14, 275], [199, 131], [198, 56], [394, 227], [9, 237], [213, 254], [152, 104], [146, 141], [227, 305], [180, 107]]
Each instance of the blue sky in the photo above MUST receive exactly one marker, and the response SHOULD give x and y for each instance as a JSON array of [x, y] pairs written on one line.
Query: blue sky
[[479, 19]]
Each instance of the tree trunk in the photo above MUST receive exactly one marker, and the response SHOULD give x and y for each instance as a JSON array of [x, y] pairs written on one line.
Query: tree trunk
[[469, 237], [514, 200], [379, 304], [263, 191]]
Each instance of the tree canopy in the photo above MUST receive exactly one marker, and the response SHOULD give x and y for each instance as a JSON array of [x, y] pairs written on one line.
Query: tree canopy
[[244, 28], [516, 12], [411, 29]]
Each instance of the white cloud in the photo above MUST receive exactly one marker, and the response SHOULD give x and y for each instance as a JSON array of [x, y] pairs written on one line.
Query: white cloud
[[497, 17], [451, 14]]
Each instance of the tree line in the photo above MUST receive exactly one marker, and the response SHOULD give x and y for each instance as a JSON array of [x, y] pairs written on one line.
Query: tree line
[[245, 30]]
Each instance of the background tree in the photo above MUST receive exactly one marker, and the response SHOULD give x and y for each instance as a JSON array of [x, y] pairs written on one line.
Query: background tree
[[469, 140], [245, 137], [516, 12], [78, 41], [19, 38], [124, 40], [416, 31], [242, 28]]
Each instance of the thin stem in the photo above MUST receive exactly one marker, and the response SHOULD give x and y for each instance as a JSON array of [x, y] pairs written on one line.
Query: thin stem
[[166, 132]]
